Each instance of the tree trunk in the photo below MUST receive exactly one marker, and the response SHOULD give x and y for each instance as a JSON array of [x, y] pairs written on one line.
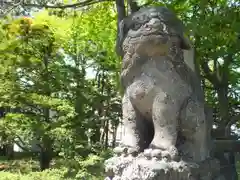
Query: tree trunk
[[121, 12], [102, 136], [9, 151], [223, 106], [45, 158], [46, 152], [96, 137], [226, 157], [3, 151], [106, 129], [114, 136]]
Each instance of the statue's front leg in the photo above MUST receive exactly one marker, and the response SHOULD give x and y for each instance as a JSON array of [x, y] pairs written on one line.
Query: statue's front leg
[[164, 115], [131, 141]]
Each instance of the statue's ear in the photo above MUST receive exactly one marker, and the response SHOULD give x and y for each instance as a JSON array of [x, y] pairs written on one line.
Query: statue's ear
[[120, 37], [185, 42]]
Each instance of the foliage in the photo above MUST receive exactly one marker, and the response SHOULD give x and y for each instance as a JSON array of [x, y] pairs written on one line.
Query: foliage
[[59, 74], [33, 97], [46, 92], [77, 168], [53, 174]]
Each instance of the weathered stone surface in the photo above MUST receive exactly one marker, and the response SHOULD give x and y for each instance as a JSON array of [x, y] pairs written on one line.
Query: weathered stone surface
[[167, 136], [163, 106], [142, 168]]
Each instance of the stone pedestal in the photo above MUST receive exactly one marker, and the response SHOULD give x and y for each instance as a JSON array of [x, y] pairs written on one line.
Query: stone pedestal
[[142, 168]]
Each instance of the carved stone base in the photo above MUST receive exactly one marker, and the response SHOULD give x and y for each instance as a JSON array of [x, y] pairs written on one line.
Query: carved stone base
[[141, 168]]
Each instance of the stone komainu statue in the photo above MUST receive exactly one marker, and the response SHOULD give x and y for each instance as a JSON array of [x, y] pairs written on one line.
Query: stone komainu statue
[[163, 106], [167, 136]]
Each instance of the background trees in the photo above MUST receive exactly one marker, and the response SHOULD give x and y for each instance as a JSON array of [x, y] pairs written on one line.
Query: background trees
[[59, 71]]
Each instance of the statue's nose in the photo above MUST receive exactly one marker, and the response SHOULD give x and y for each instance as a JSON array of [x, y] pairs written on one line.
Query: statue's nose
[[154, 21]]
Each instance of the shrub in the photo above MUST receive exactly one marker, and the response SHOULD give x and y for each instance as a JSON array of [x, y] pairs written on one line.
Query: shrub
[[77, 168], [52, 174]]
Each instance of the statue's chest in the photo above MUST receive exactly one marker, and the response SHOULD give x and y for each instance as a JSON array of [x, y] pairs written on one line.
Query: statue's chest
[[161, 74], [158, 76]]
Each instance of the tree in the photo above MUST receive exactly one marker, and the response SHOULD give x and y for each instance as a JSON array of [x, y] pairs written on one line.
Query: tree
[[44, 61], [30, 86]]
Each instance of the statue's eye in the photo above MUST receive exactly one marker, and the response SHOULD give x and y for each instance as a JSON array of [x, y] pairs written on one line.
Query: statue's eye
[[138, 21], [146, 26], [135, 26]]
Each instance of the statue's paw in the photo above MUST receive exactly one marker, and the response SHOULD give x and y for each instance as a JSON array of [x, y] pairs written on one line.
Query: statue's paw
[[157, 153], [153, 153], [148, 153], [133, 151], [166, 156], [170, 154], [120, 150], [125, 151], [173, 152]]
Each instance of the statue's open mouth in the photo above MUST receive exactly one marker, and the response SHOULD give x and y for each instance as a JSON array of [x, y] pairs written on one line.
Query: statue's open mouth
[[149, 25], [151, 33], [150, 38], [143, 35]]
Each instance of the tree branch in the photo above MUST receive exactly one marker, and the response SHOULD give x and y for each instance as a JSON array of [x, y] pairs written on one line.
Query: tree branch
[[225, 71], [233, 120], [121, 12], [209, 75], [12, 5], [57, 6], [228, 60], [21, 143]]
